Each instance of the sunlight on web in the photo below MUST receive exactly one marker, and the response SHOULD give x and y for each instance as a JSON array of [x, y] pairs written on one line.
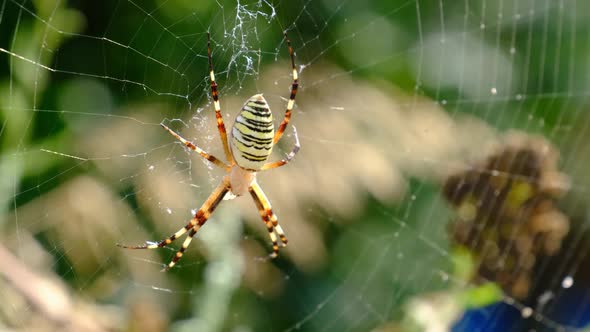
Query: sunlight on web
[[397, 101]]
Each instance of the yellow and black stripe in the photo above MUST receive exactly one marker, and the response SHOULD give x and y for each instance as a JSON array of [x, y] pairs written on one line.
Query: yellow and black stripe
[[252, 134]]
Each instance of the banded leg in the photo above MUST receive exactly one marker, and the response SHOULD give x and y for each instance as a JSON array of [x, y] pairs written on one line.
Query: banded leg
[[218, 115], [269, 218], [162, 243], [291, 102], [185, 245], [194, 225], [290, 156], [193, 147]]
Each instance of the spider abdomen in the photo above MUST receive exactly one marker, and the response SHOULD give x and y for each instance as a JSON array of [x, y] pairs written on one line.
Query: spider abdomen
[[252, 134]]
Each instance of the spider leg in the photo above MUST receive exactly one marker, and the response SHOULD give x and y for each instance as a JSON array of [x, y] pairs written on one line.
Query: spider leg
[[218, 115], [290, 156], [193, 147], [162, 243], [180, 251], [291, 102], [268, 217], [194, 225]]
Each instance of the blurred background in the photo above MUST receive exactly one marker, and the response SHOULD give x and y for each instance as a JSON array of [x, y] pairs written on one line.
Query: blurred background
[[442, 182]]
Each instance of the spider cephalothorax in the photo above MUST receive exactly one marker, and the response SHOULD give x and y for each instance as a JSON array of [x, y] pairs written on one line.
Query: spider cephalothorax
[[252, 139]]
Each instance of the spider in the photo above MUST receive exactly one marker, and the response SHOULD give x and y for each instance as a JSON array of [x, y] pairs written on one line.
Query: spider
[[251, 142]]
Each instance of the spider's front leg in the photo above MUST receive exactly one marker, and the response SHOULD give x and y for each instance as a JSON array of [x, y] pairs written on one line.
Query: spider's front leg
[[194, 225], [268, 217]]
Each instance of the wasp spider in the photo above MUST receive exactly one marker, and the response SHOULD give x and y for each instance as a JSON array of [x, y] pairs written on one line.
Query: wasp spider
[[251, 142]]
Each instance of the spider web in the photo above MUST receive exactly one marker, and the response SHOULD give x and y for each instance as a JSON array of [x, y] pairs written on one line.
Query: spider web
[[395, 96]]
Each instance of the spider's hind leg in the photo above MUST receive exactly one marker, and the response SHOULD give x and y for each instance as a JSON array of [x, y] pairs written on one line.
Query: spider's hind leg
[[291, 102], [215, 95]]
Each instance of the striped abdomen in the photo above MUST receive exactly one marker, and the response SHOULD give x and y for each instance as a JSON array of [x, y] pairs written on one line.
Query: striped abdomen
[[252, 134]]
